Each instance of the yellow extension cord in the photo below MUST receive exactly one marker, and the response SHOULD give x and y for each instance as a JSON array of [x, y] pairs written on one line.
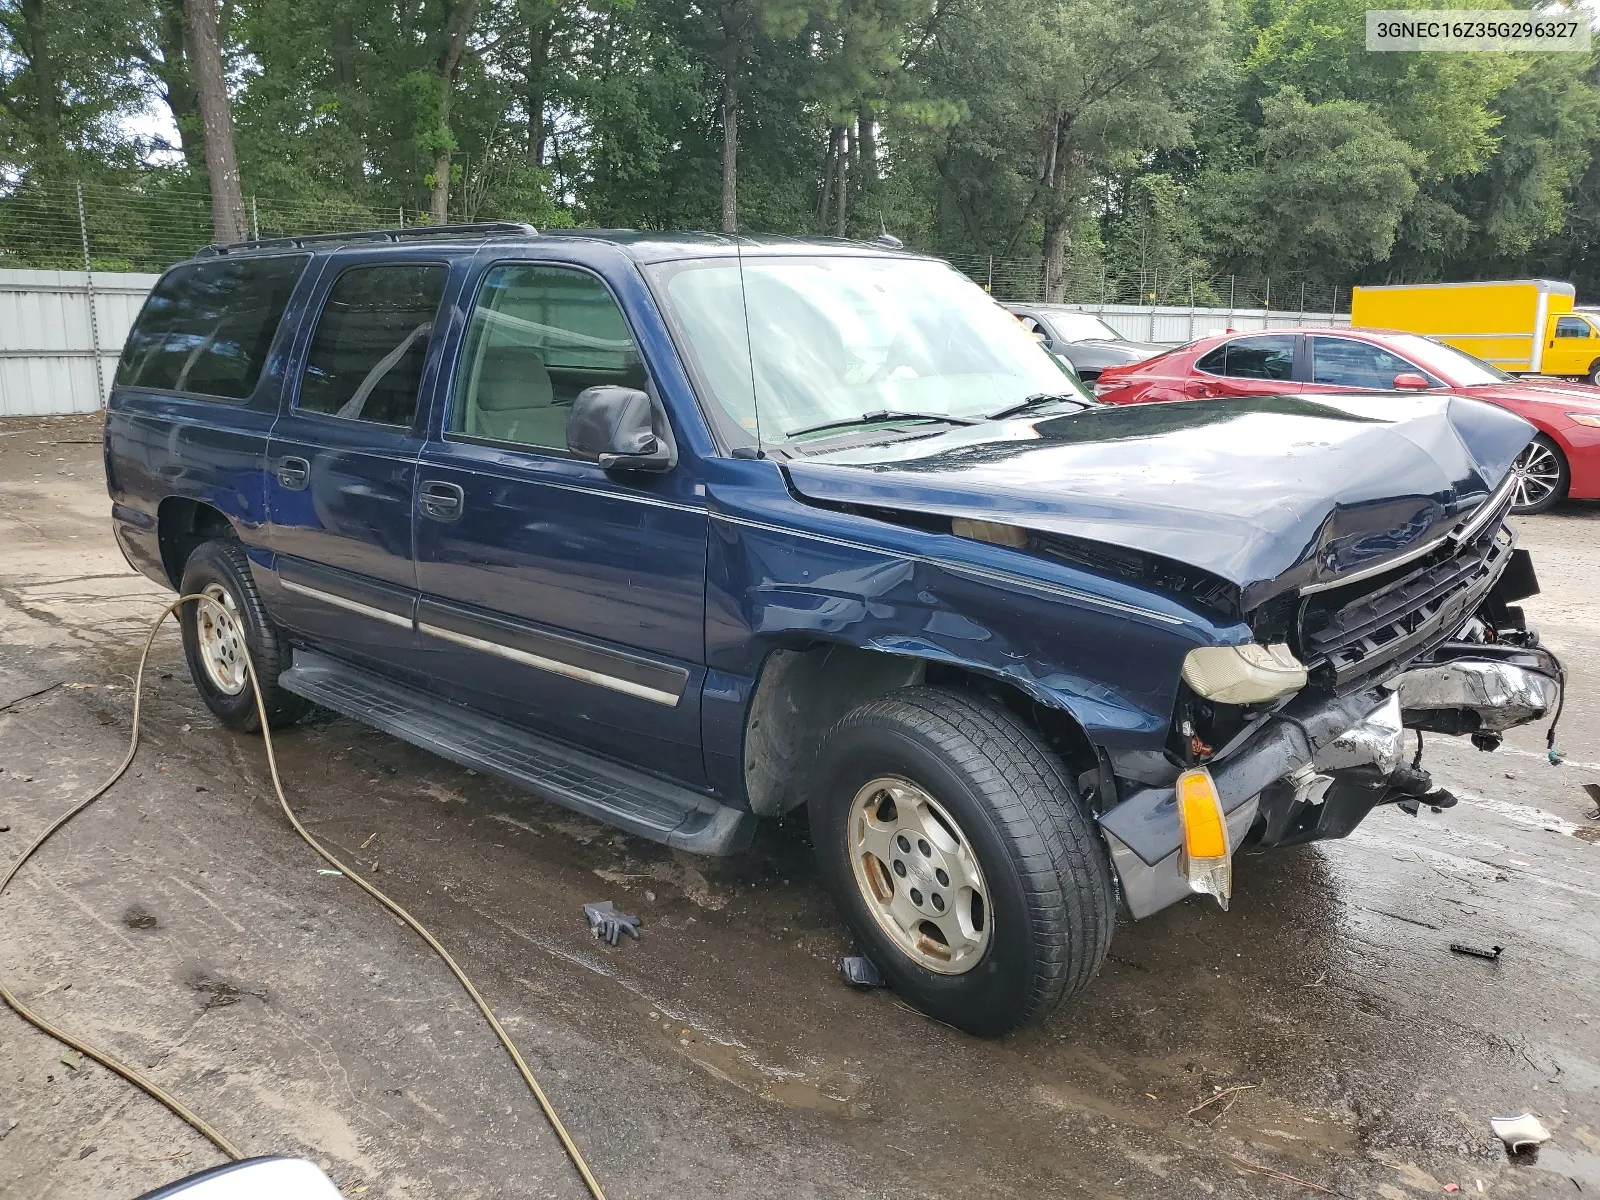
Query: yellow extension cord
[[155, 1090]]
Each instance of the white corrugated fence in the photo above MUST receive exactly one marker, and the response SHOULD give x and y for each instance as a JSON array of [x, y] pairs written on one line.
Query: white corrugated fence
[[1178, 324], [60, 335]]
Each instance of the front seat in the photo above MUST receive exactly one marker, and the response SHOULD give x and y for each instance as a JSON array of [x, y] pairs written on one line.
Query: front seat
[[512, 400]]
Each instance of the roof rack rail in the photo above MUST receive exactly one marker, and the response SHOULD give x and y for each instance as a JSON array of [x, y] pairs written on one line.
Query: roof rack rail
[[476, 228]]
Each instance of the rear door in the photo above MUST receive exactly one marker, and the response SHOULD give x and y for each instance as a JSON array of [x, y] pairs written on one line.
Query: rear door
[[558, 595], [1260, 364], [342, 460]]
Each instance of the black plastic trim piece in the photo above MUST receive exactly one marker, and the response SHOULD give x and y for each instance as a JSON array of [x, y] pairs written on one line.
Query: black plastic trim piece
[[586, 783]]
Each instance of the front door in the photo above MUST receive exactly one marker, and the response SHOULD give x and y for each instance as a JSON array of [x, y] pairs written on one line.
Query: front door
[[559, 595], [1570, 347], [342, 462]]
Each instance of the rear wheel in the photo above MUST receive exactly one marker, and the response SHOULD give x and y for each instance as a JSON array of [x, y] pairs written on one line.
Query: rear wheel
[[1542, 477], [1593, 376], [961, 858], [218, 628]]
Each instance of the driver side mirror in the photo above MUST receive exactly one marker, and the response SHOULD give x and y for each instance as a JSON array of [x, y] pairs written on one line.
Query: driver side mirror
[[1411, 381], [621, 429]]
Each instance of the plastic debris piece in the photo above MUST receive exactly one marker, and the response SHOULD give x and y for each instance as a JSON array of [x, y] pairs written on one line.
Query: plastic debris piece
[[1476, 951], [1594, 794], [1452, 1187], [607, 924], [860, 971], [1520, 1133]]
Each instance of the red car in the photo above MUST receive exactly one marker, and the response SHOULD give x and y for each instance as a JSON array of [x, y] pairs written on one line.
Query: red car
[[1562, 461]]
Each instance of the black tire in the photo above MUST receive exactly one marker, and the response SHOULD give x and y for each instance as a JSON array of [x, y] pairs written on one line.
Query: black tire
[[1051, 900], [223, 564], [1593, 377], [1548, 490]]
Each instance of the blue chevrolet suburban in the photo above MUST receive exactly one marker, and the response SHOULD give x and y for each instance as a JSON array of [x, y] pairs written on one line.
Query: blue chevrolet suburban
[[685, 531]]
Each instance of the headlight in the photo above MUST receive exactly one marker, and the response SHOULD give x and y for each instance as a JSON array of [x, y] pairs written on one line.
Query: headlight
[[1592, 419], [1250, 674]]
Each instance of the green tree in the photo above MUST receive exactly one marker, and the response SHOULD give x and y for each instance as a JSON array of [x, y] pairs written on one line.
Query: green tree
[[1323, 191]]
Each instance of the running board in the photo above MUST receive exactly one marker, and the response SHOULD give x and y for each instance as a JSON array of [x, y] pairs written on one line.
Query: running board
[[585, 783]]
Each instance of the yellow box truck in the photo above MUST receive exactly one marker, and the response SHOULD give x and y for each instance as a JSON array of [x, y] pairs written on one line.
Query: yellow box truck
[[1525, 326]]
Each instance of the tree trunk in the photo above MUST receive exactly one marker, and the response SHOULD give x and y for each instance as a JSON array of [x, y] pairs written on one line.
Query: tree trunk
[[222, 165], [457, 28], [841, 187], [827, 177], [730, 148], [1055, 254], [538, 92], [177, 83], [41, 78], [353, 108]]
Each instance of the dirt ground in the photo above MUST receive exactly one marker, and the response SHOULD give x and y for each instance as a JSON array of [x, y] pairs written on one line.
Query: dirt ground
[[182, 924]]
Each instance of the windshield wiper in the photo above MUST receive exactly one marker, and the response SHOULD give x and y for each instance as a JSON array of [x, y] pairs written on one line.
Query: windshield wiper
[[883, 414], [1034, 401]]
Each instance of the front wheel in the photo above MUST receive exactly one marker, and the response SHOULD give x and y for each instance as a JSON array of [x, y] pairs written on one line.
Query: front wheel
[[961, 858], [1542, 477]]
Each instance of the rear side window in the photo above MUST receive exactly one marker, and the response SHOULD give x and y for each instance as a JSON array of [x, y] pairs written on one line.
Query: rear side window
[[371, 341], [1252, 358], [208, 326]]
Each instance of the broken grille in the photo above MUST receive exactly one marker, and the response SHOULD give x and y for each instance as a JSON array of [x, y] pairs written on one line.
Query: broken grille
[[1349, 634]]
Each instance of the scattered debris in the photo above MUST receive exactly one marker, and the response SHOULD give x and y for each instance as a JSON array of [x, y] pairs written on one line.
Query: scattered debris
[[1452, 1187], [860, 971], [1520, 1133], [1476, 951], [1283, 1175], [607, 924], [7, 1127], [72, 1060], [1594, 794], [328, 871], [368, 842], [1220, 1093], [5, 828]]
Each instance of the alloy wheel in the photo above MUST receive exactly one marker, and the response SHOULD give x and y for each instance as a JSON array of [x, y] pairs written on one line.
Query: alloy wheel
[[221, 637], [919, 876], [1538, 475]]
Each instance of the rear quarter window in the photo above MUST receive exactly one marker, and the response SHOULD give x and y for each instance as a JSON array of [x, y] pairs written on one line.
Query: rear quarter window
[[208, 326]]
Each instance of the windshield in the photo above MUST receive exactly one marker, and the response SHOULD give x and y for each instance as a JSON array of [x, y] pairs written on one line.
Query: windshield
[[1082, 327], [834, 339], [1455, 367]]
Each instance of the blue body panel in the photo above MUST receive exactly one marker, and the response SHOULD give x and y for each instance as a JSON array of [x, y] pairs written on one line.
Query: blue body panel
[[633, 613]]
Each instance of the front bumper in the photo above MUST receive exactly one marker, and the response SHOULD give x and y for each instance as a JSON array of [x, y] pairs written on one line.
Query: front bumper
[[1315, 769]]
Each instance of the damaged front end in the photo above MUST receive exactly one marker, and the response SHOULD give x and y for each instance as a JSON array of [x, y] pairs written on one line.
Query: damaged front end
[[1435, 644]]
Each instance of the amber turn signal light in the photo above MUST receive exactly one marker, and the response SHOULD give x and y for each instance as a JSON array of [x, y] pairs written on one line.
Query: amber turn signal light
[[1207, 857]]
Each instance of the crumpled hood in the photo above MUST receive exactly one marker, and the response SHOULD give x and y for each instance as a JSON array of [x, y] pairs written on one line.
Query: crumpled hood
[[1267, 492]]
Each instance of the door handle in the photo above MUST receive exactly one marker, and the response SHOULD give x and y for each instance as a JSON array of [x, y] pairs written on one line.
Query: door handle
[[294, 473], [1198, 390], [441, 501]]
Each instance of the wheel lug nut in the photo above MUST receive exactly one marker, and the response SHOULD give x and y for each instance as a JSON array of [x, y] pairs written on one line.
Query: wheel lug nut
[[900, 868], [942, 877], [905, 846], [927, 851], [938, 901], [916, 896]]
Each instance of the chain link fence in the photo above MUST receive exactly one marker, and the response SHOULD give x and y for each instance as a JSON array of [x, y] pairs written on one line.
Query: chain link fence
[[101, 228], [149, 227], [1092, 283]]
